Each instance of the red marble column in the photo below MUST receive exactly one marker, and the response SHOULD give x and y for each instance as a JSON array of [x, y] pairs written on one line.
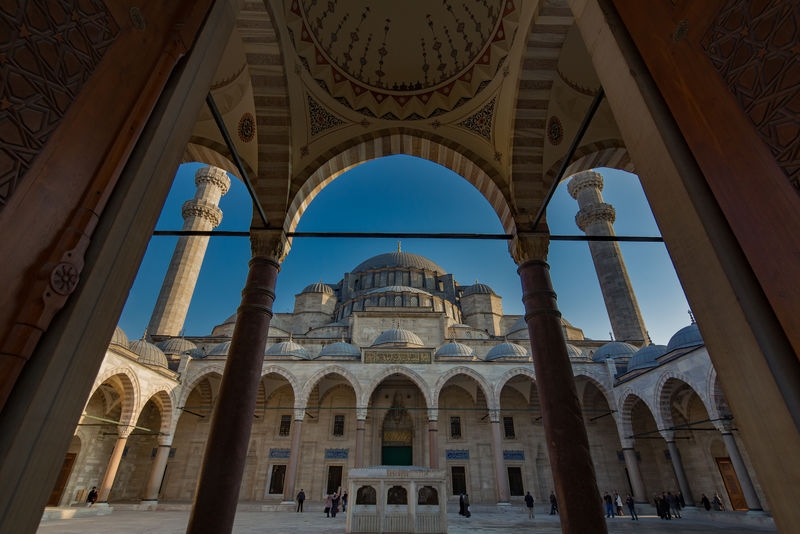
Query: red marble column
[[500, 476], [567, 444], [220, 479]]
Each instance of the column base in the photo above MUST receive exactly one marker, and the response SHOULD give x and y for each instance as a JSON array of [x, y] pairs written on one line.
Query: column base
[[148, 504]]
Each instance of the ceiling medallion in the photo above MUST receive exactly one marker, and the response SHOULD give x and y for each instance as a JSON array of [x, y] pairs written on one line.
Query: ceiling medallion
[[320, 119], [247, 128], [482, 121], [555, 131], [402, 60]]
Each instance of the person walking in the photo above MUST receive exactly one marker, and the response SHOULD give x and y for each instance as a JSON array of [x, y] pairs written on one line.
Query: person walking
[[618, 502], [334, 505], [705, 502], [609, 505], [344, 502], [674, 505], [300, 498], [553, 504], [467, 511], [662, 501], [631, 507], [717, 502], [681, 500], [91, 498], [328, 504], [461, 509], [529, 504]]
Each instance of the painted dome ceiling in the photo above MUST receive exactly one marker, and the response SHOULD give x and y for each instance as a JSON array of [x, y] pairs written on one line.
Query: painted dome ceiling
[[402, 60]]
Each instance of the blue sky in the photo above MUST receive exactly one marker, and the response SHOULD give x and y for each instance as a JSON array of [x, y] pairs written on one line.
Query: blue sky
[[407, 194]]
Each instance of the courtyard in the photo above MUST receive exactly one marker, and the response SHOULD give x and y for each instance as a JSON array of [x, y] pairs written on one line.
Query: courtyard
[[174, 522]]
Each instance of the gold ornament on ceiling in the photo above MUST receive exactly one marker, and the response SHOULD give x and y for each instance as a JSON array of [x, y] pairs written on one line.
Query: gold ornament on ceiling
[[402, 60]]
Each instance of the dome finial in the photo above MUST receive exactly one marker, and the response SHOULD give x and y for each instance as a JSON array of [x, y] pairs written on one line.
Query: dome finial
[[691, 316], [399, 249], [611, 336], [649, 339], [144, 334]]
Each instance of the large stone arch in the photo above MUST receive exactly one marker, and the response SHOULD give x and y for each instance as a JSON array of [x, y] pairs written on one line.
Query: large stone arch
[[629, 398], [131, 391], [508, 375], [203, 150], [610, 153], [595, 381], [466, 371], [343, 157], [302, 401], [294, 383], [162, 398], [193, 379], [668, 382], [366, 394]]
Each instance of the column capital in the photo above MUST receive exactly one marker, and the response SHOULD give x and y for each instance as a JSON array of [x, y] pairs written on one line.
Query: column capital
[[433, 414], [203, 209], [124, 431], [299, 414], [270, 244], [668, 435], [595, 213], [529, 247], [165, 440], [584, 179], [213, 175], [494, 416], [361, 413]]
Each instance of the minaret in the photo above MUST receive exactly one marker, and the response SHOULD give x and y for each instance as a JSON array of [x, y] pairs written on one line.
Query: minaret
[[200, 213], [596, 218]]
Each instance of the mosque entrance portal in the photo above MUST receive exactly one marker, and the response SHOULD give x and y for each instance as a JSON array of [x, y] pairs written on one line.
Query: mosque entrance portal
[[398, 433]]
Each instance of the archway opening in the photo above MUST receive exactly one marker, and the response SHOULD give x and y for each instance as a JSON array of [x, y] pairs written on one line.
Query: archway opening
[[524, 448], [397, 413], [604, 440]]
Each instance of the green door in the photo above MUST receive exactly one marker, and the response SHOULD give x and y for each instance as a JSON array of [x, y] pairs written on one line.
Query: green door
[[396, 455]]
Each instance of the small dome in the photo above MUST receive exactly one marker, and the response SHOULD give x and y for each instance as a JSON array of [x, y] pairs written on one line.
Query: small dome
[[614, 350], [176, 345], [646, 357], [221, 349], [340, 348], [148, 353], [319, 287], [399, 336], [197, 354], [688, 336], [119, 338], [288, 348], [574, 352], [398, 259], [478, 289], [397, 289], [455, 350], [506, 350]]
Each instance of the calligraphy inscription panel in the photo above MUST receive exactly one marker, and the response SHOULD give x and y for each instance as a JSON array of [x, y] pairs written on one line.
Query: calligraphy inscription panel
[[419, 356]]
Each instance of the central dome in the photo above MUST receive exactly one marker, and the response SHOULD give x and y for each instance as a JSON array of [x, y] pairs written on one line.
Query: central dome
[[398, 259]]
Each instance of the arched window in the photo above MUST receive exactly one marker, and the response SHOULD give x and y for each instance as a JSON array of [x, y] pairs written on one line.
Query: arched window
[[428, 496], [366, 495], [414, 301], [397, 495], [398, 301]]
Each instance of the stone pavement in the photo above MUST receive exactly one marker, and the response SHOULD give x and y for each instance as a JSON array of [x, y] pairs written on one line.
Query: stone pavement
[[174, 522]]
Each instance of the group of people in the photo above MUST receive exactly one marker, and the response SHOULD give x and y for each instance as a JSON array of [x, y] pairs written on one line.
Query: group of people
[[716, 502], [614, 505], [332, 502], [669, 505], [463, 505]]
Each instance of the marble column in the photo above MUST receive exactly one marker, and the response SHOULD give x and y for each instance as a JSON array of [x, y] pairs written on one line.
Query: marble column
[[632, 463], [361, 426], [113, 464], [433, 439], [217, 493], [750, 495], [562, 417], [294, 455], [596, 218], [157, 471], [680, 474], [501, 478], [199, 213]]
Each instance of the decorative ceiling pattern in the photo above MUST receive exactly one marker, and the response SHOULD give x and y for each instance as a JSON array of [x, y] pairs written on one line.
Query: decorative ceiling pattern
[[482, 121], [319, 118], [402, 60]]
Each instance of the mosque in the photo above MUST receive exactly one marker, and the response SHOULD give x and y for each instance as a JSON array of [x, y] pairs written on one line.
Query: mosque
[[397, 363]]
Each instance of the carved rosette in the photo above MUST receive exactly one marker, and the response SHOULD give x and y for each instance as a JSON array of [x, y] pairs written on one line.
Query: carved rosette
[[213, 175], [595, 213], [270, 244], [584, 179], [529, 247], [64, 278], [202, 209]]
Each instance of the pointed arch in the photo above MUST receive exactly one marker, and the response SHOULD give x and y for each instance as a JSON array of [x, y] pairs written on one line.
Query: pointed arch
[[291, 378], [466, 371], [629, 398], [308, 387], [668, 383], [130, 391], [508, 375], [397, 370], [193, 379]]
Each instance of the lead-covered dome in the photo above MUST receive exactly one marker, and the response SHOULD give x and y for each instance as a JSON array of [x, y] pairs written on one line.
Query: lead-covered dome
[[397, 289], [574, 352], [148, 353], [176, 345], [646, 357], [220, 349], [398, 336], [398, 259], [614, 350], [478, 289], [318, 287], [288, 348], [506, 350], [688, 336], [455, 350], [340, 349], [119, 338]]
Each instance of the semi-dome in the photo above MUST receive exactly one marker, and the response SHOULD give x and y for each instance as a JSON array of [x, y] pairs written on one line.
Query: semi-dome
[[318, 287], [288, 348], [506, 350], [478, 289], [398, 259], [340, 349], [398, 289], [688, 336], [455, 350], [148, 353], [220, 349], [574, 352], [119, 338], [176, 345], [614, 350], [398, 336], [646, 357]]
